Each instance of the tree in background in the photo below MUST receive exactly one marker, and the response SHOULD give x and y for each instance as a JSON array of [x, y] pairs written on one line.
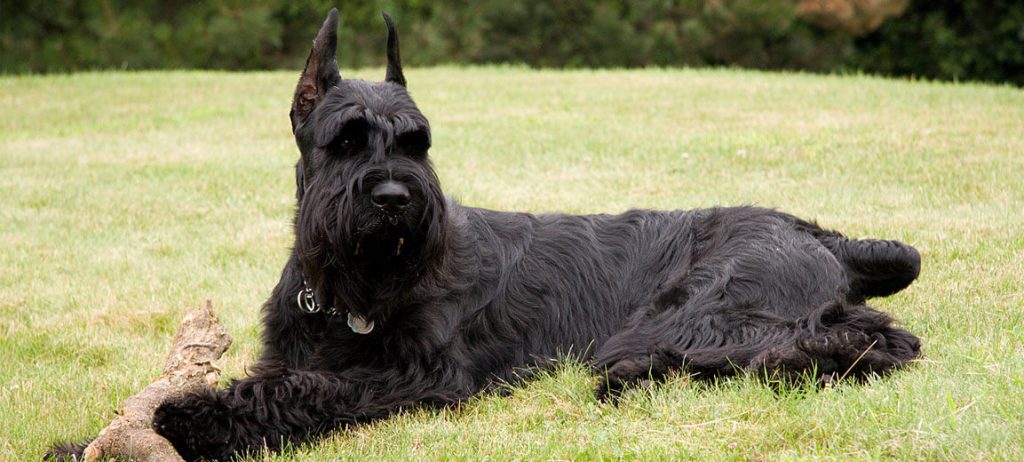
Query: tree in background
[[60, 35], [930, 38], [857, 17], [764, 34], [949, 40]]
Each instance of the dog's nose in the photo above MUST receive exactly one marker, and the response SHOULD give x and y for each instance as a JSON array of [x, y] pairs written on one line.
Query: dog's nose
[[390, 194]]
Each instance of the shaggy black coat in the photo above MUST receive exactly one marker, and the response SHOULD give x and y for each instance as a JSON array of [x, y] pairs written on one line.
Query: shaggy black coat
[[463, 298]]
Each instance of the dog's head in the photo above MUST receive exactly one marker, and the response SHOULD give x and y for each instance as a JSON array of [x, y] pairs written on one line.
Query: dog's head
[[368, 197]]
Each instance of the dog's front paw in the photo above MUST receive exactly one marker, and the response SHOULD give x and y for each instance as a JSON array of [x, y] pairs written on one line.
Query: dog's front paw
[[198, 425], [616, 380]]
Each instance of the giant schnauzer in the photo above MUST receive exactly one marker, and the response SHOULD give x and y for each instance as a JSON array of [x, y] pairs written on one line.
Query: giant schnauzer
[[396, 296]]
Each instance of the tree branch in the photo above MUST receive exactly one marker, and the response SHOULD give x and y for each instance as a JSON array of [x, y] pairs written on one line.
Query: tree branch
[[200, 340]]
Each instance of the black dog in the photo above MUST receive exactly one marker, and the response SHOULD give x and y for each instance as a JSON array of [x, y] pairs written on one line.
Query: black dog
[[396, 296]]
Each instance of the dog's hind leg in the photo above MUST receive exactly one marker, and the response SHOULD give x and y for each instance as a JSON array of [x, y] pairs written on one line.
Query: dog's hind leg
[[705, 335], [713, 324], [840, 340]]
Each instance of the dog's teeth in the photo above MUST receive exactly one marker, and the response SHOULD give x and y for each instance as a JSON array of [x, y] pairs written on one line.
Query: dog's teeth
[[401, 241]]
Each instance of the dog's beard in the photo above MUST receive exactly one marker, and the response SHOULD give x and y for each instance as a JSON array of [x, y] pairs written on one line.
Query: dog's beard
[[352, 252], [378, 234], [344, 241], [336, 227], [338, 244]]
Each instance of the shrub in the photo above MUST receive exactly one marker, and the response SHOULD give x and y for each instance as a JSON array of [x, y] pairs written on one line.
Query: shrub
[[947, 39]]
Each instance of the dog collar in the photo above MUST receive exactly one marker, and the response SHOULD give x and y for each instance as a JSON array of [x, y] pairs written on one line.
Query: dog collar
[[306, 299]]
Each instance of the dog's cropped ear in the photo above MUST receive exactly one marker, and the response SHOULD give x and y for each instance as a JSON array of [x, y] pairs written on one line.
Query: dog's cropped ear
[[394, 72], [321, 72]]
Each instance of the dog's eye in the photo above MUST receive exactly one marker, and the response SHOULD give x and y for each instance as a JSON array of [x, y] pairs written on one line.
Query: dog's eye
[[345, 143], [340, 145], [415, 143], [350, 137]]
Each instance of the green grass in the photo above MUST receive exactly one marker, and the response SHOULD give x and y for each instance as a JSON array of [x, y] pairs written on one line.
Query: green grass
[[127, 198]]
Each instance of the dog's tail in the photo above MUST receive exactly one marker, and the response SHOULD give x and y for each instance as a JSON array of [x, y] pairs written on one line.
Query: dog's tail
[[876, 268]]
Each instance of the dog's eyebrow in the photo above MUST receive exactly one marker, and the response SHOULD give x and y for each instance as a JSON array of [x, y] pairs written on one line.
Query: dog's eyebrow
[[416, 129], [333, 125], [409, 123], [417, 139]]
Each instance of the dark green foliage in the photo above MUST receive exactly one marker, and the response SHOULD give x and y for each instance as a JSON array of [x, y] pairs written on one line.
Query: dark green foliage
[[950, 39], [63, 35], [750, 33], [74, 35], [943, 39]]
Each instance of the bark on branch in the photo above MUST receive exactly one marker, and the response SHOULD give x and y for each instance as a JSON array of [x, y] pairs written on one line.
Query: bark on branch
[[200, 341]]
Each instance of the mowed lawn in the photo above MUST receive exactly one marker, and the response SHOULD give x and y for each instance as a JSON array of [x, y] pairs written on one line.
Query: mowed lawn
[[127, 198]]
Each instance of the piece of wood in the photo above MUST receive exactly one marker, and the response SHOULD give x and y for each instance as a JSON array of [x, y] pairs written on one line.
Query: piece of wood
[[200, 341]]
